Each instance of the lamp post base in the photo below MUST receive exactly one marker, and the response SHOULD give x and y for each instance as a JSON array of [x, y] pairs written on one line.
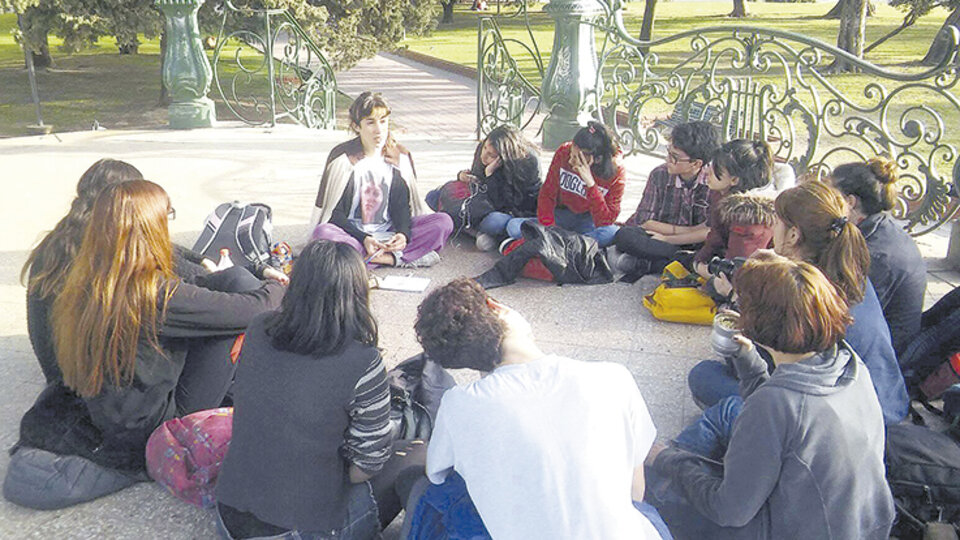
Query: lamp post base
[[199, 113]]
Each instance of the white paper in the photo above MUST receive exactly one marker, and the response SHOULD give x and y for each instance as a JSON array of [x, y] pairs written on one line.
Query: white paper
[[404, 283]]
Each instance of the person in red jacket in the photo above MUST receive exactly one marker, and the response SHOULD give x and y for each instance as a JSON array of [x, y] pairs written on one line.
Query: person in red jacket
[[583, 188]]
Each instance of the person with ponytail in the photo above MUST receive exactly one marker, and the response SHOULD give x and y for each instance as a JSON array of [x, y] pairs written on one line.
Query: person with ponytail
[[135, 345], [583, 188], [897, 270], [47, 266], [812, 226]]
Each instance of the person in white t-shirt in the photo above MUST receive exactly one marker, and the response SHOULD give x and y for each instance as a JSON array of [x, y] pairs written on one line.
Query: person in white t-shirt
[[548, 447]]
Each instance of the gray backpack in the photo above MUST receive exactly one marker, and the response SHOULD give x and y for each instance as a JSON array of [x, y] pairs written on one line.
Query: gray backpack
[[245, 229]]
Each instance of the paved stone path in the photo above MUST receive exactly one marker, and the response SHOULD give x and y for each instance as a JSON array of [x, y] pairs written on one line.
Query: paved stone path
[[280, 167]]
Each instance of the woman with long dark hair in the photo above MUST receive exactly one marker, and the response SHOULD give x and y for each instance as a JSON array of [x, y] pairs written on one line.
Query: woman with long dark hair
[[812, 226], [503, 183], [328, 465], [136, 346], [897, 269]]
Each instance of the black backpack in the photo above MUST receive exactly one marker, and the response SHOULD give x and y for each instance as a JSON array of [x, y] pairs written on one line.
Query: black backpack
[[923, 470], [245, 229]]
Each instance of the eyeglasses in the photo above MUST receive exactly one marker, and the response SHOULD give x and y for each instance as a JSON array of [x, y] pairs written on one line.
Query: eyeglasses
[[672, 158], [172, 213]]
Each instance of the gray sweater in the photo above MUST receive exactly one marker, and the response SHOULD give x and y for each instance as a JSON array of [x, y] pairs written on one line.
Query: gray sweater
[[805, 458]]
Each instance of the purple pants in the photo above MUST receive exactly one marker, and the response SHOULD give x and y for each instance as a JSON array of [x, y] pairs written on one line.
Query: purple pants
[[428, 233]]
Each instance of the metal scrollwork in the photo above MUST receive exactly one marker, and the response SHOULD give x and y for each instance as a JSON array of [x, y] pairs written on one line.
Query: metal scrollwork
[[778, 86], [273, 72], [504, 94]]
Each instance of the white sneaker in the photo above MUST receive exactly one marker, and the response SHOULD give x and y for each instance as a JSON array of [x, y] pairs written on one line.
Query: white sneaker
[[429, 259], [486, 242]]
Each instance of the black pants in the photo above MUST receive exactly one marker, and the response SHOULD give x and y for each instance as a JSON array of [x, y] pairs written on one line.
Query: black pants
[[637, 242], [208, 371], [392, 485]]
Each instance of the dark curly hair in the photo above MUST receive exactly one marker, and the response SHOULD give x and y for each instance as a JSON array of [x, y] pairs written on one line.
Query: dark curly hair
[[458, 329], [699, 140]]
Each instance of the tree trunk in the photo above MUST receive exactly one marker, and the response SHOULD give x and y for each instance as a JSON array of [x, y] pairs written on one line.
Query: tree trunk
[[164, 100], [853, 23], [129, 47], [834, 12], [646, 27], [941, 43], [41, 55], [447, 11], [739, 9]]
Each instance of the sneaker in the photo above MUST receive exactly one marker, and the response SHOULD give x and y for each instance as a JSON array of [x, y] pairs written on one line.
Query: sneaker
[[431, 258], [632, 266], [486, 242], [506, 243]]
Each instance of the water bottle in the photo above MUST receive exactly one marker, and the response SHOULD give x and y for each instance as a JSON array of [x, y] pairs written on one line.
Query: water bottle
[[225, 261]]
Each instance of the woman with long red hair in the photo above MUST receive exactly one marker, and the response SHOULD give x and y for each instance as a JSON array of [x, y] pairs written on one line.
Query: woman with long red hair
[[136, 346]]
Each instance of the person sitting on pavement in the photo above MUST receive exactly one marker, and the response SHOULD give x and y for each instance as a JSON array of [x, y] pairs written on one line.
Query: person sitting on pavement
[[897, 270], [47, 266], [548, 447], [583, 187], [799, 452], [503, 183], [812, 226], [135, 346], [672, 214], [328, 465], [368, 197], [739, 223]]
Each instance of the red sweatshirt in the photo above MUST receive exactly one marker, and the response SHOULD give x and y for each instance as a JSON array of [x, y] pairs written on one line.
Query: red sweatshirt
[[565, 187]]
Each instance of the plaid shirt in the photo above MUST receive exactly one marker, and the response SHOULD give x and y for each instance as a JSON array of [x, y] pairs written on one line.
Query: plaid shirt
[[668, 199]]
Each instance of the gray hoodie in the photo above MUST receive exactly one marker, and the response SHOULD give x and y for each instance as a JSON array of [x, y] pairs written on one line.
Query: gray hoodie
[[805, 458]]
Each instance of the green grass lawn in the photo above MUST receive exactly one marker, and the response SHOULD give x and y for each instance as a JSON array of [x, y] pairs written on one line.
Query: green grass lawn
[[457, 42]]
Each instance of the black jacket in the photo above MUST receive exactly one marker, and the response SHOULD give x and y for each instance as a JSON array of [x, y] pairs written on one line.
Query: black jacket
[[112, 428], [899, 276], [510, 189], [570, 258]]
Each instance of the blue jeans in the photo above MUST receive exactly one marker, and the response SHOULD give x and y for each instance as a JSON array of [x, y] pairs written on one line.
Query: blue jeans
[[710, 381], [495, 223], [709, 437], [361, 521], [578, 223]]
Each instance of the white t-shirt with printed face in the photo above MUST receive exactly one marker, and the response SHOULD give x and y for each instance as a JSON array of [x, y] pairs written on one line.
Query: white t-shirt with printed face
[[547, 449]]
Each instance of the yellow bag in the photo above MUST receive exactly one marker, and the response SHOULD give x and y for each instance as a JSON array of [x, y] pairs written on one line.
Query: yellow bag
[[678, 297]]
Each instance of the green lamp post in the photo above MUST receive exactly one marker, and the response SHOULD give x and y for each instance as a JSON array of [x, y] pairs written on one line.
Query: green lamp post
[[571, 77], [186, 71]]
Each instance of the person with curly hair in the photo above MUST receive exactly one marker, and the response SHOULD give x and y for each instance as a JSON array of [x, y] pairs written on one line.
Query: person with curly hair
[[532, 423]]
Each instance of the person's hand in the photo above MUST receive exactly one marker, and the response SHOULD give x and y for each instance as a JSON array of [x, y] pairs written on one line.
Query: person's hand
[[746, 344], [581, 165], [722, 285], [466, 177], [396, 243], [371, 245], [493, 166], [270, 272], [701, 269], [391, 151], [657, 236], [208, 265], [654, 452]]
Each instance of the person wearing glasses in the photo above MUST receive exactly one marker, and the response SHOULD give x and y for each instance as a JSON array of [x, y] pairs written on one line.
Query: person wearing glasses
[[673, 212]]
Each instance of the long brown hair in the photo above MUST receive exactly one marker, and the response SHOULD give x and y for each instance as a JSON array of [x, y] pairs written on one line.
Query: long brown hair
[[52, 257], [827, 238], [110, 296]]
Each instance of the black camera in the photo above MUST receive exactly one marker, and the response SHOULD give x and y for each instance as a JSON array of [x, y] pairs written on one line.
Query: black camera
[[725, 267]]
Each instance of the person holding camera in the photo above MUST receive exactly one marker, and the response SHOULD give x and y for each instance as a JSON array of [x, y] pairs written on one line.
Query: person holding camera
[[799, 453], [812, 226]]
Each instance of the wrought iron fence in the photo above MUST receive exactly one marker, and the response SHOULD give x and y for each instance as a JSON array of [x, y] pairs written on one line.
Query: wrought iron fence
[[782, 87], [269, 69], [504, 94]]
